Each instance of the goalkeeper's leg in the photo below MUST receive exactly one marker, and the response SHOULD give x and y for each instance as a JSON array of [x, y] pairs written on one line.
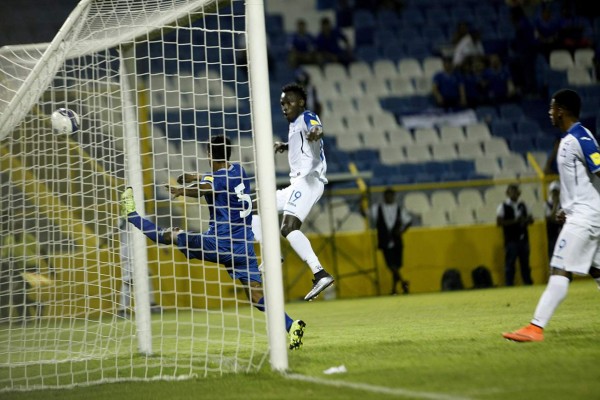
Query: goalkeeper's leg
[[148, 228]]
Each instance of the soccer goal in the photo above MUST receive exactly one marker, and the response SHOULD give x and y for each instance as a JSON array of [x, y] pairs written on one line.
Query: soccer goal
[[83, 298]]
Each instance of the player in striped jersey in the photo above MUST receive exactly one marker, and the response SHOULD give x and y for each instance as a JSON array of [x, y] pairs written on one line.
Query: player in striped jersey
[[577, 249], [228, 240]]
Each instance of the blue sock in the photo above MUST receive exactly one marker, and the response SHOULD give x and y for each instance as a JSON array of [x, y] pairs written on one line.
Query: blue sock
[[147, 227], [288, 321]]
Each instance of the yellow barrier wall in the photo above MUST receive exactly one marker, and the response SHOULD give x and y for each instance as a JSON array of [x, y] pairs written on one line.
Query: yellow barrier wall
[[428, 253], [179, 282]]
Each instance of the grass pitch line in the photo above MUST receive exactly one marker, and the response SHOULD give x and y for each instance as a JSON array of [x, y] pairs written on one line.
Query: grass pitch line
[[376, 389]]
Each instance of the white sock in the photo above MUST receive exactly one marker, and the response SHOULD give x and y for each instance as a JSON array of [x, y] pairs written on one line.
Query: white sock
[[302, 247], [555, 293], [597, 282], [257, 228]]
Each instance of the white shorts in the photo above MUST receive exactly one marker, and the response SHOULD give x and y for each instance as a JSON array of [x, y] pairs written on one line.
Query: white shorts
[[577, 248], [298, 198]]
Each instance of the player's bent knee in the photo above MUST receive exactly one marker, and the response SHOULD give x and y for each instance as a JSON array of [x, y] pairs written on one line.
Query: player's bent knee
[[562, 272]]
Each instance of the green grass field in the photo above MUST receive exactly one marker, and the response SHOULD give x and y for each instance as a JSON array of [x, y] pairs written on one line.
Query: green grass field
[[426, 346]]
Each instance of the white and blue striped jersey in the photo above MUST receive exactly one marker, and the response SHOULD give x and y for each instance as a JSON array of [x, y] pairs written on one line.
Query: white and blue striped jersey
[[305, 157], [578, 160]]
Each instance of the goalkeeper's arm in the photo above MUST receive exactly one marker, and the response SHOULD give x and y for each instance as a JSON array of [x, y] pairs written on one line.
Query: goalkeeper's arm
[[195, 190]]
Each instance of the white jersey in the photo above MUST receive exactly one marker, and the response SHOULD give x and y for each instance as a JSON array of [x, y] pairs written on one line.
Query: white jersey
[[578, 159], [305, 157]]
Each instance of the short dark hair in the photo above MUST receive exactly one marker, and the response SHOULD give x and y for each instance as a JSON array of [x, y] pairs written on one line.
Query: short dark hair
[[220, 148], [389, 191], [295, 88], [569, 100]]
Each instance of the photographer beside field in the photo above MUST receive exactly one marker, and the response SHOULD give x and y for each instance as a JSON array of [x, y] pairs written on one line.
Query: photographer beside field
[[514, 218], [391, 221]]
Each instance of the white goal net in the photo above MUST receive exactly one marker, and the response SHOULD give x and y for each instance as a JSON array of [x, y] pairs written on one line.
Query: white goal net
[[83, 299]]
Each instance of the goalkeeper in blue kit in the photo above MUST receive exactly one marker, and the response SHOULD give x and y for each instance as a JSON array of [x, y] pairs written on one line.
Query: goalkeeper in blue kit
[[228, 240]]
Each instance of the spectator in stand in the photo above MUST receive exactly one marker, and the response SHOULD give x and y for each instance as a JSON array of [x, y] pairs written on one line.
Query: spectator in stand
[[301, 46], [546, 26], [462, 30], [524, 49], [468, 48], [312, 97], [553, 223], [344, 14], [448, 88], [332, 45], [514, 218], [474, 82], [575, 31], [498, 81]]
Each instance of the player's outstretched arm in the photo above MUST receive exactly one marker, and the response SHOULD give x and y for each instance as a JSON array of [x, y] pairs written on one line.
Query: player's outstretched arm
[[188, 177], [194, 190], [280, 147], [315, 133]]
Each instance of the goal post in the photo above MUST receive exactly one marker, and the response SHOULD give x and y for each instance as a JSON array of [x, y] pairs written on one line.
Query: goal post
[[152, 82]]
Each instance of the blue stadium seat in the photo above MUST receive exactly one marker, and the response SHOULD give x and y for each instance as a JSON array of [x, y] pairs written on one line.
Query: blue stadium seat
[[450, 176], [388, 19], [400, 180], [384, 37], [527, 126], [510, 111], [410, 169], [462, 167], [439, 14], [486, 113], [544, 142], [521, 144], [363, 19], [364, 36], [418, 48], [435, 167], [274, 25], [434, 33], [397, 105], [412, 16], [367, 53], [379, 180], [392, 51], [502, 128], [426, 177], [368, 155], [485, 12]]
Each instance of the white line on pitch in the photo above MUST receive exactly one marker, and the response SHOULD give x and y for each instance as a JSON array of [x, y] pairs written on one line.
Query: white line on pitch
[[376, 389]]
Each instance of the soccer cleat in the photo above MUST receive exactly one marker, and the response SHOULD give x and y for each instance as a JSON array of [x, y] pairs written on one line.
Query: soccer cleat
[[319, 285], [405, 287], [529, 333], [296, 334], [127, 202]]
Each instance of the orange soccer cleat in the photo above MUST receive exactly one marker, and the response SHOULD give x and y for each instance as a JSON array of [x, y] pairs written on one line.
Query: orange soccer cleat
[[529, 333]]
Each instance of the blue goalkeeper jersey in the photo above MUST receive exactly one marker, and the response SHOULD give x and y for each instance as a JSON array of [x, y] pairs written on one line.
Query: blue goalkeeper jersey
[[230, 204]]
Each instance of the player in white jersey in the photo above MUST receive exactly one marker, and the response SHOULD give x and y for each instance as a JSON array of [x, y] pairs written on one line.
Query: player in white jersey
[[307, 180], [577, 249]]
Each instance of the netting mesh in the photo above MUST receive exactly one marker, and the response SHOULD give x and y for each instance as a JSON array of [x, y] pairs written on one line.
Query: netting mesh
[[66, 312]]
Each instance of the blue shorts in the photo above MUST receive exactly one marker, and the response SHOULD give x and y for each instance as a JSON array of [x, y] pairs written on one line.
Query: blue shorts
[[237, 255]]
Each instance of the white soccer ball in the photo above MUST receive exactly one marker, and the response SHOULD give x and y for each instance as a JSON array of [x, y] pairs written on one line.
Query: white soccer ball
[[65, 121]]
